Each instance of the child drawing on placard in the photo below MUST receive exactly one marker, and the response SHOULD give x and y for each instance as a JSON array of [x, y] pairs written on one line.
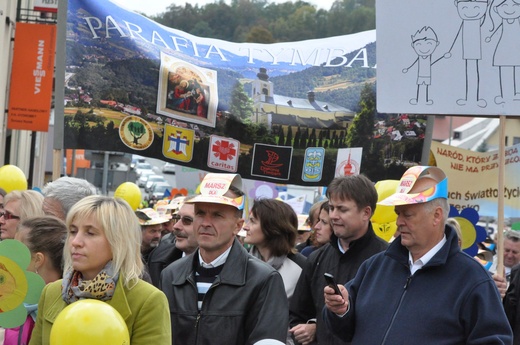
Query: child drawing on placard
[[424, 42], [472, 13], [507, 52]]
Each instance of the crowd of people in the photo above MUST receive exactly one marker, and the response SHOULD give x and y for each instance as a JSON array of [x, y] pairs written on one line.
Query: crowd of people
[[204, 269]]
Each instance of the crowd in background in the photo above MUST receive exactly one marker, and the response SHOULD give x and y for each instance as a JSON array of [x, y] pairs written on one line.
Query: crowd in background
[[203, 269]]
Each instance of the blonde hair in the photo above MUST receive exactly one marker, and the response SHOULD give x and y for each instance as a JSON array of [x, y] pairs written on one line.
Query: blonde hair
[[456, 226], [31, 203], [121, 228]]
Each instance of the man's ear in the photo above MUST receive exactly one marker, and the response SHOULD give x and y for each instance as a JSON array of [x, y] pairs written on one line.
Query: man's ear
[[367, 212], [240, 223], [438, 215]]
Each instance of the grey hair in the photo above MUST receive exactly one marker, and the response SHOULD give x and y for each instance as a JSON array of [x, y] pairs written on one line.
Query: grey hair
[[439, 202], [512, 235], [68, 191]]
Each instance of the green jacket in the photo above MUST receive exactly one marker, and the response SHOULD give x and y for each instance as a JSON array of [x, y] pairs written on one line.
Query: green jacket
[[143, 307]]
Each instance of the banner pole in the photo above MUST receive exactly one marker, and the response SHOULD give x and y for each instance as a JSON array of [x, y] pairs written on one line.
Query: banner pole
[[59, 90], [500, 221]]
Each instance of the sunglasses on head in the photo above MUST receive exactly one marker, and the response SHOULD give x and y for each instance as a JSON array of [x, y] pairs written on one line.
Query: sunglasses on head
[[186, 220], [8, 215]]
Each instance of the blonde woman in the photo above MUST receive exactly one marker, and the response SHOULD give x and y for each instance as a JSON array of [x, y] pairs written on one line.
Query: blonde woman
[[103, 261], [18, 206]]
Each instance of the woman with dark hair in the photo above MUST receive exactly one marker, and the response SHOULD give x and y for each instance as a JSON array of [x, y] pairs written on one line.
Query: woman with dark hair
[[271, 230], [44, 236], [322, 230]]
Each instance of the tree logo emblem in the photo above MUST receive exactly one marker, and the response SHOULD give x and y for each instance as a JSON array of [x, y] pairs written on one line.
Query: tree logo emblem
[[136, 133]]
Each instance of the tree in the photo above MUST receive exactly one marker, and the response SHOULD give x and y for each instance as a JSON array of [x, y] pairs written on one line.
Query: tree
[[137, 130], [288, 140], [312, 138], [361, 131], [259, 34], [281, 137], [241, 105], [297, 137]]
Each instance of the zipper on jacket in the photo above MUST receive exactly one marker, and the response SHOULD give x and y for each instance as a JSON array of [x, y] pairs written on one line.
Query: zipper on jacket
[[407, 282], [405, 287], [199, 315]]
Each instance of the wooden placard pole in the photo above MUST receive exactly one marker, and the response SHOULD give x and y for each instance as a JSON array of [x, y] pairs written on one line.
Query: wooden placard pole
[[501, 169]]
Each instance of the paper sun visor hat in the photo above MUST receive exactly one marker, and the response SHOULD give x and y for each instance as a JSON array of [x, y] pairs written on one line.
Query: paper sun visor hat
[[214, 187], [303, 225], [175, 204], [409, 191], [161, 207], [148, 216]]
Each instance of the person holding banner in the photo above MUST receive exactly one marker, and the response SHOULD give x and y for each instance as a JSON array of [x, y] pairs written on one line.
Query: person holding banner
[[102, 261], [220, 294], [423, 289]]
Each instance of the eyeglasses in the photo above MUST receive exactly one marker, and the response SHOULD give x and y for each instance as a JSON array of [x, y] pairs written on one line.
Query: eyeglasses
[[186, 220], [301, 232], [8, 215]]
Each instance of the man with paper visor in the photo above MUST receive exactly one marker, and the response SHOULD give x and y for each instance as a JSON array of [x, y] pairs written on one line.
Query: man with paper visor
[[220, 294], [433, 290]]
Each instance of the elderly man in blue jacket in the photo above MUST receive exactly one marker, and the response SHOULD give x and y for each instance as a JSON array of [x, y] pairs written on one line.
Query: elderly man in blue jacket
[[423, 289]]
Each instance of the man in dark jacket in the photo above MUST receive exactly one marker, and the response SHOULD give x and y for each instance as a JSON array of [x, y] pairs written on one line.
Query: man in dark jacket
[[220, 294], [352, 201], [179, 243], [423, 289], [512, 303]]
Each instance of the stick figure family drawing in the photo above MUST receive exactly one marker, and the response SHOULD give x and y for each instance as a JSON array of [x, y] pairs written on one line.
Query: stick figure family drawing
[[504, 24]]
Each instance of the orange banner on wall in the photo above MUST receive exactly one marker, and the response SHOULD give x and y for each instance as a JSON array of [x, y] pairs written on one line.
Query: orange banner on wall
[[32, 77]]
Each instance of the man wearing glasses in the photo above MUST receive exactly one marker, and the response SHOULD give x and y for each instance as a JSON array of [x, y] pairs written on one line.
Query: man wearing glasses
[[176, 245]]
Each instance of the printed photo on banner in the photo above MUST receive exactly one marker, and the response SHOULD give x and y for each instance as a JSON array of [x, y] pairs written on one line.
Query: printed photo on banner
[[187, 92]]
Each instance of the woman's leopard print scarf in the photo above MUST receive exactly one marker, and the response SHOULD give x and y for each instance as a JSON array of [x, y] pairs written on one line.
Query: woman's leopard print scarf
[[74, 288]]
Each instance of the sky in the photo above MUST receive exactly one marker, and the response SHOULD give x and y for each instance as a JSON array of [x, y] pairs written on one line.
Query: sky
[[153, 7]]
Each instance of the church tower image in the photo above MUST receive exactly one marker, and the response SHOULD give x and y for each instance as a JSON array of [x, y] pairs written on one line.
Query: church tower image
[[262, 88]]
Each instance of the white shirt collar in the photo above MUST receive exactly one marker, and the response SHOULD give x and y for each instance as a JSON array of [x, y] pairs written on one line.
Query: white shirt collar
[[340, 247], [220, 260], [417, 265]]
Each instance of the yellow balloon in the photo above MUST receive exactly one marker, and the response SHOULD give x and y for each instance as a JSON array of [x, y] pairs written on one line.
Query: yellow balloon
[[129, 192], [12, 178], [385, 214], [383, 219], [89, 322], [384, 230]]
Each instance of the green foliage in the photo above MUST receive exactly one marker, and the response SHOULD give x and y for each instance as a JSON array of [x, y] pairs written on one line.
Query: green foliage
[[361, 131], [290, 21], [136, 128], [288, 141], [241, 105]]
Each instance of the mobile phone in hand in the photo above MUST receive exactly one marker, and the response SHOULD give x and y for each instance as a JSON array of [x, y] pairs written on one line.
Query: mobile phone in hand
[[332, 283]]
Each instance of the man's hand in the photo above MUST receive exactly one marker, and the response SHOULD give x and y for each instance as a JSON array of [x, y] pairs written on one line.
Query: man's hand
[[304, 333], [336, 303], [501, 284]]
